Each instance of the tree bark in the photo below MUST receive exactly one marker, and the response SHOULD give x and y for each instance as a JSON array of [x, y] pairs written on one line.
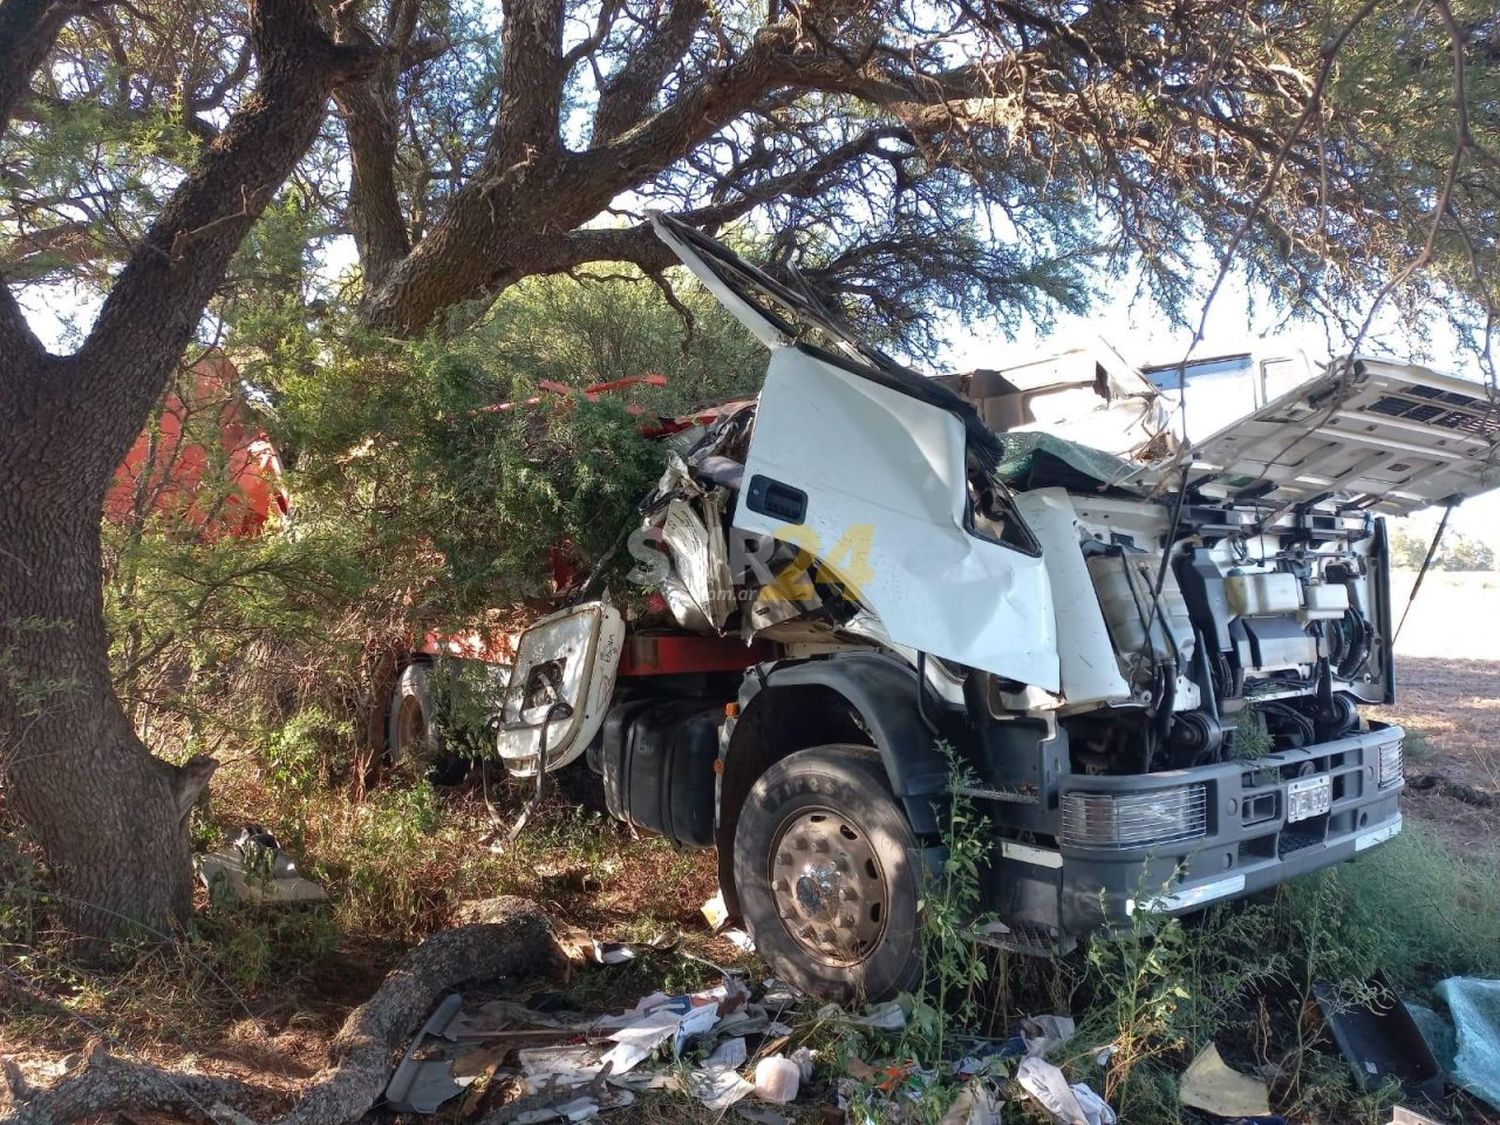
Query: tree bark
[[110, 817], [104, 810]]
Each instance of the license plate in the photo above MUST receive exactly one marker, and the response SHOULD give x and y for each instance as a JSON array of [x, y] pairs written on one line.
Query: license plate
[[1308, 796]]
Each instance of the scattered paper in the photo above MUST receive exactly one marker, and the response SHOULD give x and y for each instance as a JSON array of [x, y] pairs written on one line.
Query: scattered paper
[[718, 1087], [740, 940], [560, 1066], [731, 1053], [715, 913]]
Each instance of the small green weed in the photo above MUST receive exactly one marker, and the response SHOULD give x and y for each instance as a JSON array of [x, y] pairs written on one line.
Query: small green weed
[[954, 967]]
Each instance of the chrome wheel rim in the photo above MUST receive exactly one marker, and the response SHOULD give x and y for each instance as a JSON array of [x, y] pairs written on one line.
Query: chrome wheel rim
[[830, 890]]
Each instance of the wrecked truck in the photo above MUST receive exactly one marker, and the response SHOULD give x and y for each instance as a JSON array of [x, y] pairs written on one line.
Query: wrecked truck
[[1148, 682]]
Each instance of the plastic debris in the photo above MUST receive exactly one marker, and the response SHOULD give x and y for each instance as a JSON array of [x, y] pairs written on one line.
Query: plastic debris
[[1380, 1039], [777, 1079], [639, 1040], [1475, 1007], [806, 1060], [257, 870], [882, 1017], [1070, 1105], [1095, 1108], [1210, 1085], [975, 1105], [1044, 1034]]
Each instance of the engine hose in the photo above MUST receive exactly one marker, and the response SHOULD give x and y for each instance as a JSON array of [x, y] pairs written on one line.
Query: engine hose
[[1359, 644]]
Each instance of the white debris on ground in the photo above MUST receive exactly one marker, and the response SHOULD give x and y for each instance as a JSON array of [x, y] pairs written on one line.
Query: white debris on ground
[[736, 1053]]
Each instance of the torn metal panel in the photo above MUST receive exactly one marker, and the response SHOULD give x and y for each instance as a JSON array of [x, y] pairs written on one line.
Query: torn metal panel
[[422, 1085], [1090, 674], [693, 533], [873, 484]]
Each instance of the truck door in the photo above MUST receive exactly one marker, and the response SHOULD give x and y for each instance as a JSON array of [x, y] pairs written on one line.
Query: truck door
[[872, 483]]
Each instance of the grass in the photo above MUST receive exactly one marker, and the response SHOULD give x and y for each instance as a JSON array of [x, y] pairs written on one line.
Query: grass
[[405, 860]]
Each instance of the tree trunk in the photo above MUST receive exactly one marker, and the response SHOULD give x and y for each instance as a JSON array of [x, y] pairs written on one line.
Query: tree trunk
[[109, 816], [104, 810]]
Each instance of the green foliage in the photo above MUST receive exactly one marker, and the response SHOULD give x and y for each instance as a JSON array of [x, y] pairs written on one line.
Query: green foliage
[[1416, 908], [1248, 736], [954, 968], [1157, 989], [577, 333], [1455, 552]]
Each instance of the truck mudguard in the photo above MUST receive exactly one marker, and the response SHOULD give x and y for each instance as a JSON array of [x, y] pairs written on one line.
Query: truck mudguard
[[881, 690]]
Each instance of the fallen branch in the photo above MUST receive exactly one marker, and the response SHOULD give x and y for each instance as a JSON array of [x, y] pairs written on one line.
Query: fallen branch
[[103, 1083], [1458, 790], [516, 942]]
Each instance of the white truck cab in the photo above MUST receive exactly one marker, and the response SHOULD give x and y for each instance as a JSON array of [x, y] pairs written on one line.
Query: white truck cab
[[1148, 673]]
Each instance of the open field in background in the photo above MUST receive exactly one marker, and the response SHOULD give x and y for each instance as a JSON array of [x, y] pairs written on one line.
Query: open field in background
[[1448, 698], [1456, 615]]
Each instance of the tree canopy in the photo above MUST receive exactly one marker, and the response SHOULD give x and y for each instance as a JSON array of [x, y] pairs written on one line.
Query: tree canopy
[[996, 160]]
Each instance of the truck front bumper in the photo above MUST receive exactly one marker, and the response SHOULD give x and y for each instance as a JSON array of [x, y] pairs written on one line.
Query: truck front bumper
[[1245, 831]]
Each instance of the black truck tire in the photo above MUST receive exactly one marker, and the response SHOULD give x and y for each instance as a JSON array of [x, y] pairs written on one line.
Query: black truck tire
[[824, 867], [414, 734]]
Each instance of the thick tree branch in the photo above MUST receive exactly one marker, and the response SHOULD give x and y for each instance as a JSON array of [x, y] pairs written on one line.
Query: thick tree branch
[[154, 307], [514, 941], [535, 70], [27, 30], [625, 97]]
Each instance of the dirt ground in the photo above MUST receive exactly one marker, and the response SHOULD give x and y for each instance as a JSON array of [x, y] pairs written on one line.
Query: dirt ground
[[1448, 699]]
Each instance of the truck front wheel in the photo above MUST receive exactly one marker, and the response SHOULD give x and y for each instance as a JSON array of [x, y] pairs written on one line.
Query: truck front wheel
[[414, 735], [824, 869]]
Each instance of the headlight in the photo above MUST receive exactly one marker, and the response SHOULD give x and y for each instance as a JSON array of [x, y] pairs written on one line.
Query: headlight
[[1162, 816], [1392, 766]]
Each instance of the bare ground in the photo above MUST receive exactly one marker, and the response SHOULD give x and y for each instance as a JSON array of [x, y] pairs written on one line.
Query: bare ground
[[1448, 699]]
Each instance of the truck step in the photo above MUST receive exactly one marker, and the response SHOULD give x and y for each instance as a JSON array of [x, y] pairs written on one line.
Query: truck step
[[1030, 938]]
